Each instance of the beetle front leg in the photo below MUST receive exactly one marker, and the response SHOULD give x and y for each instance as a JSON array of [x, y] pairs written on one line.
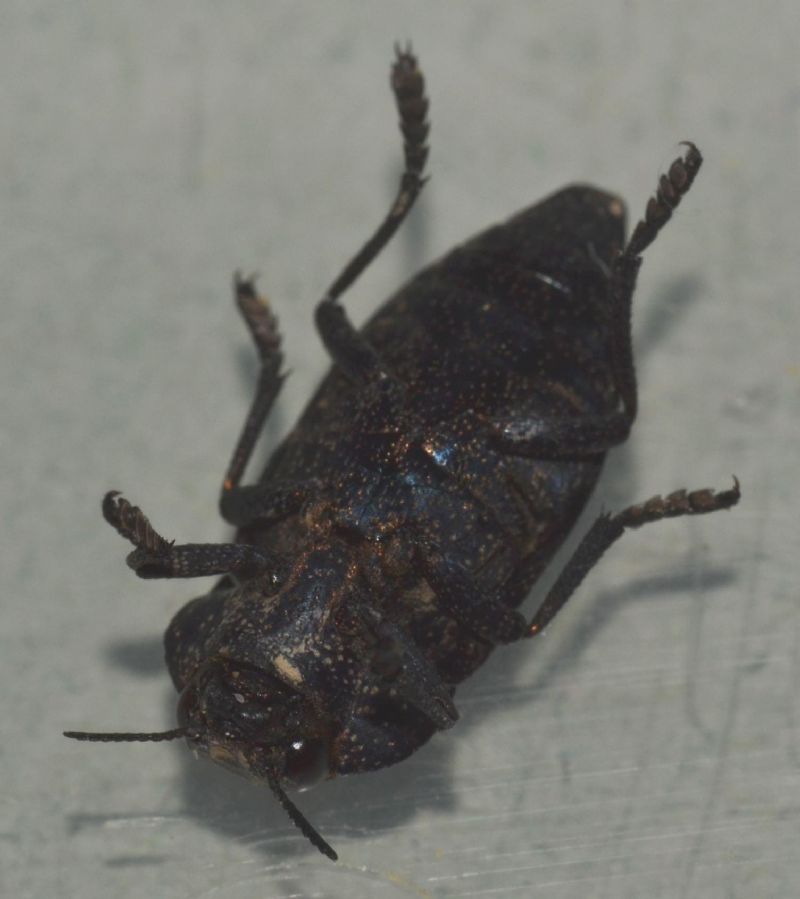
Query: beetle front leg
[[607, 529], [377, 733], [396, 667], [347, 347], [155, 557]]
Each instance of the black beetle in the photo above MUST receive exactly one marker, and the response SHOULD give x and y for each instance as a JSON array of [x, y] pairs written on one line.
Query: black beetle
[[385, 549]]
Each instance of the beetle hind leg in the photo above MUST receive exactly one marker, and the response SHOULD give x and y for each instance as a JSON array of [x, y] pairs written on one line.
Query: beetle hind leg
[[588, 435], [671, 189], [607, 529], [625, 268]]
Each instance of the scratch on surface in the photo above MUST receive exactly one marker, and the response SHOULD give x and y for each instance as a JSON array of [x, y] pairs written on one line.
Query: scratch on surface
[[286, 872], [393, 877], [526, 888], [140, 822], [752, 824], [723, 742]]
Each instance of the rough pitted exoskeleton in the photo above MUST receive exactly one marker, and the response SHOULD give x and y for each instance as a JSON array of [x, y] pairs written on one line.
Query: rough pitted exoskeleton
[[385, 549]]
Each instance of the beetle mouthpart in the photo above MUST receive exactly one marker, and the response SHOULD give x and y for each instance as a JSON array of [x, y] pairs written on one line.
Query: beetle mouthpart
[[156, 737], [300, 821]]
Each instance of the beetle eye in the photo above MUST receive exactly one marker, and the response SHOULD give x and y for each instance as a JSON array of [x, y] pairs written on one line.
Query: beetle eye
[[306, 763]]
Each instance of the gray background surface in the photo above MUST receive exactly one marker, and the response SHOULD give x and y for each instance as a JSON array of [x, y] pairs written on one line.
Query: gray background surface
[[648, 745]]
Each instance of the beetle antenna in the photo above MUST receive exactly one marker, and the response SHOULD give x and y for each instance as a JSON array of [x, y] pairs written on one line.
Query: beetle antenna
[[300, 821], [157, 737]]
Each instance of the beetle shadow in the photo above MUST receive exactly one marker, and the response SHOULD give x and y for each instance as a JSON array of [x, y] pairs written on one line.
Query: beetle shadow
[[665, 311], [142, 656], [358, 808]]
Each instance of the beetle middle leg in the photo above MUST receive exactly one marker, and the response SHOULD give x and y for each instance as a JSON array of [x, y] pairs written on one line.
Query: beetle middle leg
[[241, 505], [607, 529], [236, 502], [586, 435], [347, 347]]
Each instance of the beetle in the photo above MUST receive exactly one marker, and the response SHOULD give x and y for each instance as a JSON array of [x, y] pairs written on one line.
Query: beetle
[[384, 551]]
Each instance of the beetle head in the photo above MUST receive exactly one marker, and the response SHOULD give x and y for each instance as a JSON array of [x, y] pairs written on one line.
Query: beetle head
[[252, 723], [248, 720]]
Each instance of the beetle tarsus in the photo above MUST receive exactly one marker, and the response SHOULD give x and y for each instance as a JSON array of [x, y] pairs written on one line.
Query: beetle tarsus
[[672, 187]]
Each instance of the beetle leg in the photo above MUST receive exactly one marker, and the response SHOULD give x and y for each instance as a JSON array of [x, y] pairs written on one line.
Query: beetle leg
[[489, 618], [588, 435], [263, 327], [625, 268], [246, 505], [155, 557], [346, 346], [418, 684], [397, 667], [671, 188], [242, 505], [609, 528], [374, 734]]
